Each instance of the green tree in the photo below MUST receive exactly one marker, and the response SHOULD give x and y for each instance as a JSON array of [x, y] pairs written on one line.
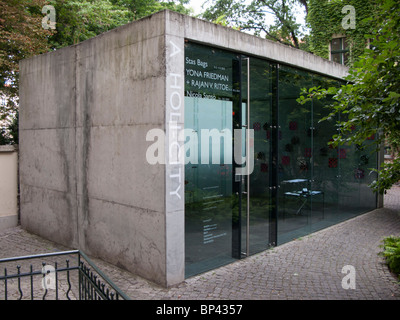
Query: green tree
[[79, 20], [370, 101], [21, 36], [143, 8], [254, 16]]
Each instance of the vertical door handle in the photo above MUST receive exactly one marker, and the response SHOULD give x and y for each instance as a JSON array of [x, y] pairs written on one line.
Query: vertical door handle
[[248, 161]]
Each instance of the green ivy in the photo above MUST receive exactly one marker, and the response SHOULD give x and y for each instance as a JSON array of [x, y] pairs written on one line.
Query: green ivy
[[325, 19], [370, 100]]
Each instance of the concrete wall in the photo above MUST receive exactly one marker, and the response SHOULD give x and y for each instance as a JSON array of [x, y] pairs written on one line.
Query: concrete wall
[[85, 112], [8, 187]]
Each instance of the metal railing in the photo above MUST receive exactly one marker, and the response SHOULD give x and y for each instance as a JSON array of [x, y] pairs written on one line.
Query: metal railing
[[67, 275]]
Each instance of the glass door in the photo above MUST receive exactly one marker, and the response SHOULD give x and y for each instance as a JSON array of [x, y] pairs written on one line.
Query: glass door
[[258, 207], [211, 205], [229, 168]]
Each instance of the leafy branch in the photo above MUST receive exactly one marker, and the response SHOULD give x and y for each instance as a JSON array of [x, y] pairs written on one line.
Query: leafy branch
[[370, 100]]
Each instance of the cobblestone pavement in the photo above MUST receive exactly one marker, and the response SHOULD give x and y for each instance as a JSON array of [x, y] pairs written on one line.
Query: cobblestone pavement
[[307, 268]]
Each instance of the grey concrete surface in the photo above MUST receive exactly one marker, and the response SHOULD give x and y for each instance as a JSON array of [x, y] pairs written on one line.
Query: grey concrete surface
[[98, 100], [309, 268]]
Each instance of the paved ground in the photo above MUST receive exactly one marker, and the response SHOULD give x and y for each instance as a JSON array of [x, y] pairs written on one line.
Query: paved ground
[[308, 268]]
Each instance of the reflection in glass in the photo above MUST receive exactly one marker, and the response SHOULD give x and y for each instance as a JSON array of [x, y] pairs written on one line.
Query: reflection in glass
[[300, 183], [209, 91], [261, 206], [208, 186], [294, 156]]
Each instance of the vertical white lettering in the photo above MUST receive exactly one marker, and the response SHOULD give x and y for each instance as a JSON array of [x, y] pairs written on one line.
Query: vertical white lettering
[[176, 85], [176, 155], [175, 103], [176, 192], [174, 118], [177, 176], [174, 114], [176, 50]]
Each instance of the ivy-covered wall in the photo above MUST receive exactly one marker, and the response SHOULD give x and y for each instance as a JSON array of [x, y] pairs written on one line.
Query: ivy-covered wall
[[325, 20]]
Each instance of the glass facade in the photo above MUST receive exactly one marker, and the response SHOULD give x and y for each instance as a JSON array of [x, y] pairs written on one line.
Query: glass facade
[[259, 171]]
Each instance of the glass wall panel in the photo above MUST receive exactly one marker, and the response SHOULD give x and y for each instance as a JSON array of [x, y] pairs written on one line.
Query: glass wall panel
[[298, 183], [348, 185], [294, 156], [208, 192], [326, 160], [355, 174], [208, 170], [261, 206], [367, 159], [345, 174]]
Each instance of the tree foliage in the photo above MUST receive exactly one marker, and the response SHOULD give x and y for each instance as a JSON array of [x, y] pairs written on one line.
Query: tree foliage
[[22, 35], [253, 16], [79, 20], [391, 252], [143, 8], [370, 101]]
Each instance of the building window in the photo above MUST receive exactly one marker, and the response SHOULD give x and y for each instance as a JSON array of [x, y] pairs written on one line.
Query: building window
[[339, 50]]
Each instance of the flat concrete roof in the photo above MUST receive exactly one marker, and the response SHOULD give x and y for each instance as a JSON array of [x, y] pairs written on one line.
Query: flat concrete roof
[[207, 33], [224, 37]]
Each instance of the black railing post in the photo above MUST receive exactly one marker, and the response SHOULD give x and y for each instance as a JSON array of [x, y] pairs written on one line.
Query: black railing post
[[79, 276], [5, 284], [19, 282], [43, 281], [56, 278], [31, 278], [69, 282]]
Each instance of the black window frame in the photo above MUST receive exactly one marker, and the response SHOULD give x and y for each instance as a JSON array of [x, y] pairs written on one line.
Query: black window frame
[[344, 48]]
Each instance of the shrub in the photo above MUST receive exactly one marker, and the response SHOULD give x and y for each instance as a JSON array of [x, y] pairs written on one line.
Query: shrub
[[391, 251]]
